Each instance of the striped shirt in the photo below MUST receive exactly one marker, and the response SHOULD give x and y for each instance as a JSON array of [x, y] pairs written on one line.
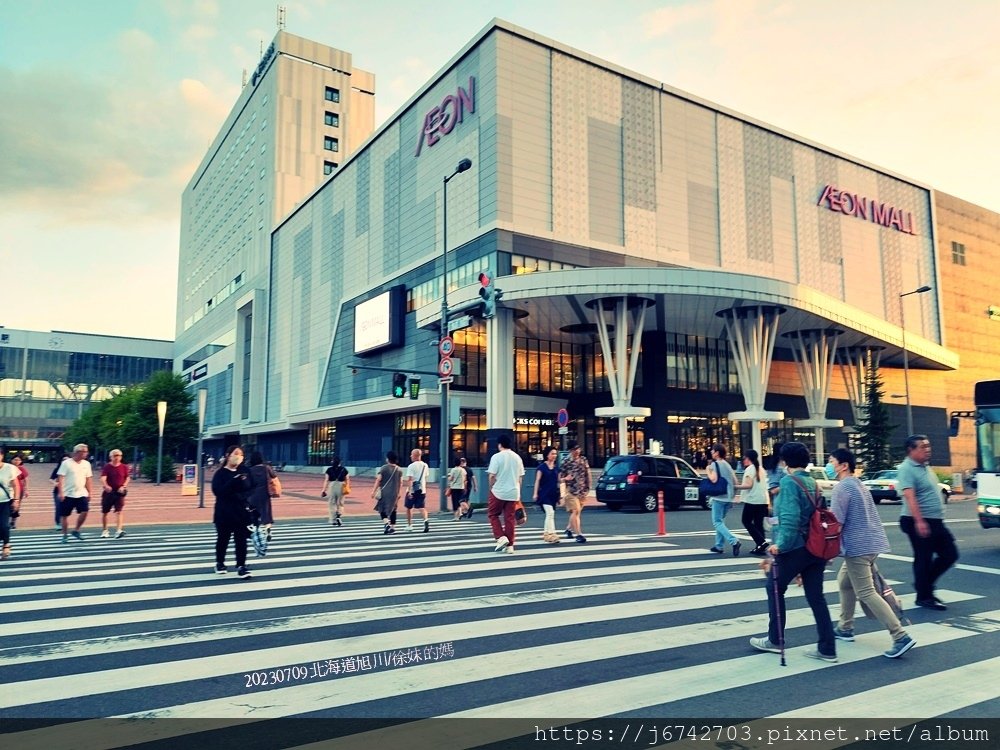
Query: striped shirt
[[853, 506]]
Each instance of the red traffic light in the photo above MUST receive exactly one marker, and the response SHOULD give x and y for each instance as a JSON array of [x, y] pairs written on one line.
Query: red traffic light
[[484, 279]]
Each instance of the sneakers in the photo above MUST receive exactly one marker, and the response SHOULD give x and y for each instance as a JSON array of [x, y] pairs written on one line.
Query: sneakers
[[386, 530], [65, 539], [509, 550], [427, 526], [822, 657], [243, 571], [716, 551], [409, 527], [760, 551], [931, 603], [77, 535], [900, 647], [105, 534], [390, 529], [736, 549], [843, 635], [120, 534], [221, 570], [551, 538], [468, 513], [581, 539], [502, 543], [763, 644], [5, 555], [336, 522], [569, 534], [458, 518]]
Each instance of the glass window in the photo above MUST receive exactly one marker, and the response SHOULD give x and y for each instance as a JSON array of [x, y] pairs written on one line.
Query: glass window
[[332, 119], [958, 253], [328, 167], [331, 144], [332, 94]]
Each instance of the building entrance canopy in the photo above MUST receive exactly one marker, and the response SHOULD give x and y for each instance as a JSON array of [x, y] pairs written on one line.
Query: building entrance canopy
[[688, 301]]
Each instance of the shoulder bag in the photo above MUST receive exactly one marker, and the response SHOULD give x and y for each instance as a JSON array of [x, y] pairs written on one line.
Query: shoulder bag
[[273, 483], [714, 489]]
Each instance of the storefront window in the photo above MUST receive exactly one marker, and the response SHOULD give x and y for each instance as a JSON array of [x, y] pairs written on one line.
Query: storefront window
[[322, 443]]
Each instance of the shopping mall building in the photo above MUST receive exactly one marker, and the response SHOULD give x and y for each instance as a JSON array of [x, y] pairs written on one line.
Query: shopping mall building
[[671, 271]]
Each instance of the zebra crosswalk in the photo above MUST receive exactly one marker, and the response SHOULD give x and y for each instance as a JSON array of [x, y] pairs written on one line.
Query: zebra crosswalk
[[346, 623]]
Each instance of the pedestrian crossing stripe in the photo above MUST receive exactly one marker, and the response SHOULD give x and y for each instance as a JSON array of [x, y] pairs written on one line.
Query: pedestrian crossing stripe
[[474, 597]]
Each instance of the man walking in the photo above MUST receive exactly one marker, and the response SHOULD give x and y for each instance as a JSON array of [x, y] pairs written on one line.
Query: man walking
[[416, 495], [922, 519], [575, 472], [862, 540], [506, 470], [115, 478], [74, 488]]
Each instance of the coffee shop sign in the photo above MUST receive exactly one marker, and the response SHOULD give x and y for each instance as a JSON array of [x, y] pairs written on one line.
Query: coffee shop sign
[[852, 204], [443, 118]]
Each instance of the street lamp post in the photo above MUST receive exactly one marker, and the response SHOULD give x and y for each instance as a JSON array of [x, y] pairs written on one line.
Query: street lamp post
[[462, 166], [202, 401], [161, 414], [906, 358]]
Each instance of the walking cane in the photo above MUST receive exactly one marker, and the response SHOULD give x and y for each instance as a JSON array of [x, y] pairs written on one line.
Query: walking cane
[[777, 608]]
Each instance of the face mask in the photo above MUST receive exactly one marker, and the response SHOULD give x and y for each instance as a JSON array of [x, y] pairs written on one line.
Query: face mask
[[235, 460], [830, 471]]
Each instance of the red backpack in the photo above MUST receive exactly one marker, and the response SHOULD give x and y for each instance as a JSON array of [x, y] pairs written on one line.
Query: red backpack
[[824, 530]]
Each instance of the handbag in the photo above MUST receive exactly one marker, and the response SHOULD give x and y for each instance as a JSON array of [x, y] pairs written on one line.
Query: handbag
[[347, 486], [273, 484], [520, 513], [713, 489]]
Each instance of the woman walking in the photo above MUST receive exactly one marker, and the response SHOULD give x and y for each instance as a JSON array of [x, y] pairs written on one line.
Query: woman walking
[[755, 501], [10, 500], [18, 464], [388, 485], [456, 489], [471, 486], [333, 486], [260, 492], [546, 494], [720, 505], [231, 487]]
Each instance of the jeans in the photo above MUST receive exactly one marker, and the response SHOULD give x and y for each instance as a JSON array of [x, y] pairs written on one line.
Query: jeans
[[932, 554], [753, 522], [494, 509], [856, 585], [788, 565], [549, 527], [5, 509], [239, 534], [722, 534]]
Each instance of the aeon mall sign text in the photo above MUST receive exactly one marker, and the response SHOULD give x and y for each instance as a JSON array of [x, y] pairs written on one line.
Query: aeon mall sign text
[[443, 118], [852, 204]]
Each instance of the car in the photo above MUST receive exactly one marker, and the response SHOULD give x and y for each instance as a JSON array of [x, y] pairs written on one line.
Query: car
[[883, 487], [824, 483], [637, 480]]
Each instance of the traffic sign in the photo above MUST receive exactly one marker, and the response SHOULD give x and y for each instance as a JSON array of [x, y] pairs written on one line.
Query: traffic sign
[[562, 418], [446, 367], [449, 379], [564, 430], [457, 324], [446, 346]]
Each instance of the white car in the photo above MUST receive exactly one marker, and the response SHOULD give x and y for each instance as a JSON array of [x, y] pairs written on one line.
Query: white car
[[824, 483], [883, 487]]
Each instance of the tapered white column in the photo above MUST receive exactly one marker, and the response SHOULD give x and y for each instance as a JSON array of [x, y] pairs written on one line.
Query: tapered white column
[[500, 370], [814, 351], [619, 363], [751, 332]]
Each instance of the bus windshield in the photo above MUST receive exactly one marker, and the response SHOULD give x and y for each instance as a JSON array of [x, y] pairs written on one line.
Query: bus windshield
[[988, 438]]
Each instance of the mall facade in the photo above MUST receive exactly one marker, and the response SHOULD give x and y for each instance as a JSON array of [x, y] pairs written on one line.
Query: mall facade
[[671, 271]]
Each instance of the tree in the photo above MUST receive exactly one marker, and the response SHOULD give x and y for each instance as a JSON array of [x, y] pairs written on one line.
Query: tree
[[129, 419], [875, 430]]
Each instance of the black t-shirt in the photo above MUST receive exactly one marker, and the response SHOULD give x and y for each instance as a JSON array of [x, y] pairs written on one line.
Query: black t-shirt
[[336, 473]]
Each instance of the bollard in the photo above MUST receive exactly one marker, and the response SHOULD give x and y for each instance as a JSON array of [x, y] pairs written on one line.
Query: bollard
[[663, 516]]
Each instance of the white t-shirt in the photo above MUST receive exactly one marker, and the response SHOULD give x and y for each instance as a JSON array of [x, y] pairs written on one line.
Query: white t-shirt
[[508, 468], [757, 494], [75, 475], [8, 473], [417, 471]]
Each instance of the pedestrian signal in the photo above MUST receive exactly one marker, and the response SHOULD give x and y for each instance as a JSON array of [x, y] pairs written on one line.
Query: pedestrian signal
[[399, 385], [414, 388]]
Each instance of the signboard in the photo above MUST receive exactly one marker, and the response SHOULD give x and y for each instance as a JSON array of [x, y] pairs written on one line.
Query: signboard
[[442, 119], [562, 418], [446, 346], [378, 322], [189, 479], [868, 209], [457, 324], [446, 368]]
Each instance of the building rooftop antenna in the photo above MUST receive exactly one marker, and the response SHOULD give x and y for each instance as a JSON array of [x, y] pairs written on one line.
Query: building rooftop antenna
[[281, 17]]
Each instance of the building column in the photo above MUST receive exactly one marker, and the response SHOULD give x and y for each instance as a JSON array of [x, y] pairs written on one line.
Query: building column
[[751, 332], [854, 362], [814, 351], [620, 364], [499, 373]]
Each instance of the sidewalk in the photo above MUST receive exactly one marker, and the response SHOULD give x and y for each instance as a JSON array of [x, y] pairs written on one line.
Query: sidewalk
[[148, 504]]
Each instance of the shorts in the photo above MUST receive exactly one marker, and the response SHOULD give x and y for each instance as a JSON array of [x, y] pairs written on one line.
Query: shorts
[[111, 500], [414, 500], [457, 498], [69, 504], [572, 502]]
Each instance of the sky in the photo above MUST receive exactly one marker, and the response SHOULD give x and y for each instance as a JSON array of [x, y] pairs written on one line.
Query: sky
[[109, 107]]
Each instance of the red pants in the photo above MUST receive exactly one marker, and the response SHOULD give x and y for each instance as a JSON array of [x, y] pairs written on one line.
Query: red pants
[[494, 509]]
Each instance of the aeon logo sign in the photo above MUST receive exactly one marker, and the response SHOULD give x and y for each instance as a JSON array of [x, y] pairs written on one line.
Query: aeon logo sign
[[443, 118], [852, 204]]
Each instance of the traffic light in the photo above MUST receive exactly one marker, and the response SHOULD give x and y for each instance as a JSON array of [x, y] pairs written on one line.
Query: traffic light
[[399, 385], [414, 388], [489, 294]]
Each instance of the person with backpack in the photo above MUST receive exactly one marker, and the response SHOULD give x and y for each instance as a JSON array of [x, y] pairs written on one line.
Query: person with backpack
[[863, 539], [794, 507]]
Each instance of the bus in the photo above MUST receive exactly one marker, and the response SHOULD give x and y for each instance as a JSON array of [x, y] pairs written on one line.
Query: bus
[[987, 399]]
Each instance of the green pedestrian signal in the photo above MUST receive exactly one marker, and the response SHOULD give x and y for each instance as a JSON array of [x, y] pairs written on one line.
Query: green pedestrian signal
[[399, 385]]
